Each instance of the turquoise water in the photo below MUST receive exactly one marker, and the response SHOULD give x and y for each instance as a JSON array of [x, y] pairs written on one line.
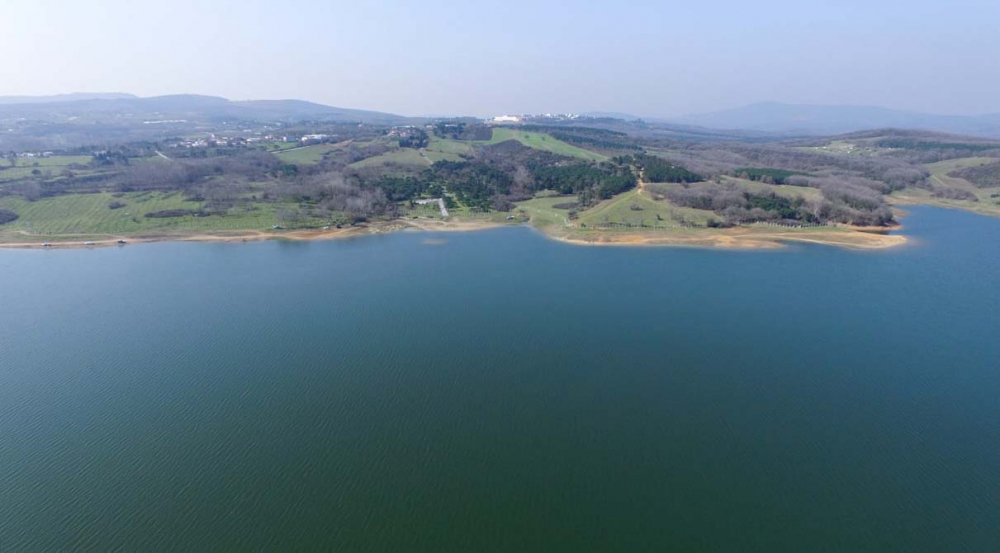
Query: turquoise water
[[503, 392]]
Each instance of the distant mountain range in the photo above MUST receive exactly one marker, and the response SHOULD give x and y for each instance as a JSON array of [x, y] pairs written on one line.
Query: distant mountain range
[[75, 120], [826, 120], [58, 98], [181, 106], [91, 118]]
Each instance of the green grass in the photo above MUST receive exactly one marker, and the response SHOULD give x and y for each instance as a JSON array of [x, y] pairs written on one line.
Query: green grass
[[542, 212], [542, 141], [942, 168], [649, 212], [54, 161], [307, 155], [790, 192], [402, 157], [434, 157], [278, 146], [940, 179], [616, 210], [50, 166], [441, 149], [89, 215], [447, 146]]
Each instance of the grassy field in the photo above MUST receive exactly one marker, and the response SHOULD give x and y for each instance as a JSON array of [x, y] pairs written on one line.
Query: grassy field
[[542, 212], [54, 161], [447, 146], [597, 225], [440, 149], [88, 215], [542, 141], [307, 155], [630, 208], [986, 205], [942, 168], [405, 157], [434, 156], [278, 146], [48, 166], [637, 208], [790, 192]]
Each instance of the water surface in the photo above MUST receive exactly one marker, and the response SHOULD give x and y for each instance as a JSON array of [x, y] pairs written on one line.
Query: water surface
[[498, 391]]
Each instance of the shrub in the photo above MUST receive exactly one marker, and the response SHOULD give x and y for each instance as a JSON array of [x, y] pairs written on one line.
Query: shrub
[[7, 216]]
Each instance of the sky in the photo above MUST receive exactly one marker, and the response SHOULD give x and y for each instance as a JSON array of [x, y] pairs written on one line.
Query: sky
[[430, 57]]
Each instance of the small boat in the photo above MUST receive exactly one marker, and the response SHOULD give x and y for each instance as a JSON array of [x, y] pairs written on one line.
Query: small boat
[[47, 245], [120, 241], [88, 243]]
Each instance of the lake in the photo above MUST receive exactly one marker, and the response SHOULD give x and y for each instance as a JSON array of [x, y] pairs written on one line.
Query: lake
[[499, 391]]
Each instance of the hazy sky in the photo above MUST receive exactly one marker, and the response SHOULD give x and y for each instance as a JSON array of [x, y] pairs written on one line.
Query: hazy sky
[[509, 56]]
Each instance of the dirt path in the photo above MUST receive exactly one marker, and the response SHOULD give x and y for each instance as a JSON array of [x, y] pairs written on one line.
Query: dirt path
[[440, 202]]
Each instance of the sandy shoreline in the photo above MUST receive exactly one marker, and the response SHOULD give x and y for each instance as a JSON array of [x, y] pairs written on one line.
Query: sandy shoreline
[[236, 236], [742, 240], [732, 239]]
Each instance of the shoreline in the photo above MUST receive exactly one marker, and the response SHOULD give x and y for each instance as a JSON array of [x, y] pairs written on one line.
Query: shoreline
[[742, 239], [739, 238]]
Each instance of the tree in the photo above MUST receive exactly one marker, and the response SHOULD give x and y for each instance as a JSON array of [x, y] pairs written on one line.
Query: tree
[[7, 216]]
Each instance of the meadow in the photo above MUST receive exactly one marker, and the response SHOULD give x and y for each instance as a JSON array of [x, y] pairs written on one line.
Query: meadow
[[542, 141], [636, 209], [51, 166], [988, 198], [75, 216], [305, 154], [403, 157]]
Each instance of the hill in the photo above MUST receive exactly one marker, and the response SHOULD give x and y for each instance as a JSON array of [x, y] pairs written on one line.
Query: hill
[[59, 98], [825, 120], [180, 106], [71, 121]]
